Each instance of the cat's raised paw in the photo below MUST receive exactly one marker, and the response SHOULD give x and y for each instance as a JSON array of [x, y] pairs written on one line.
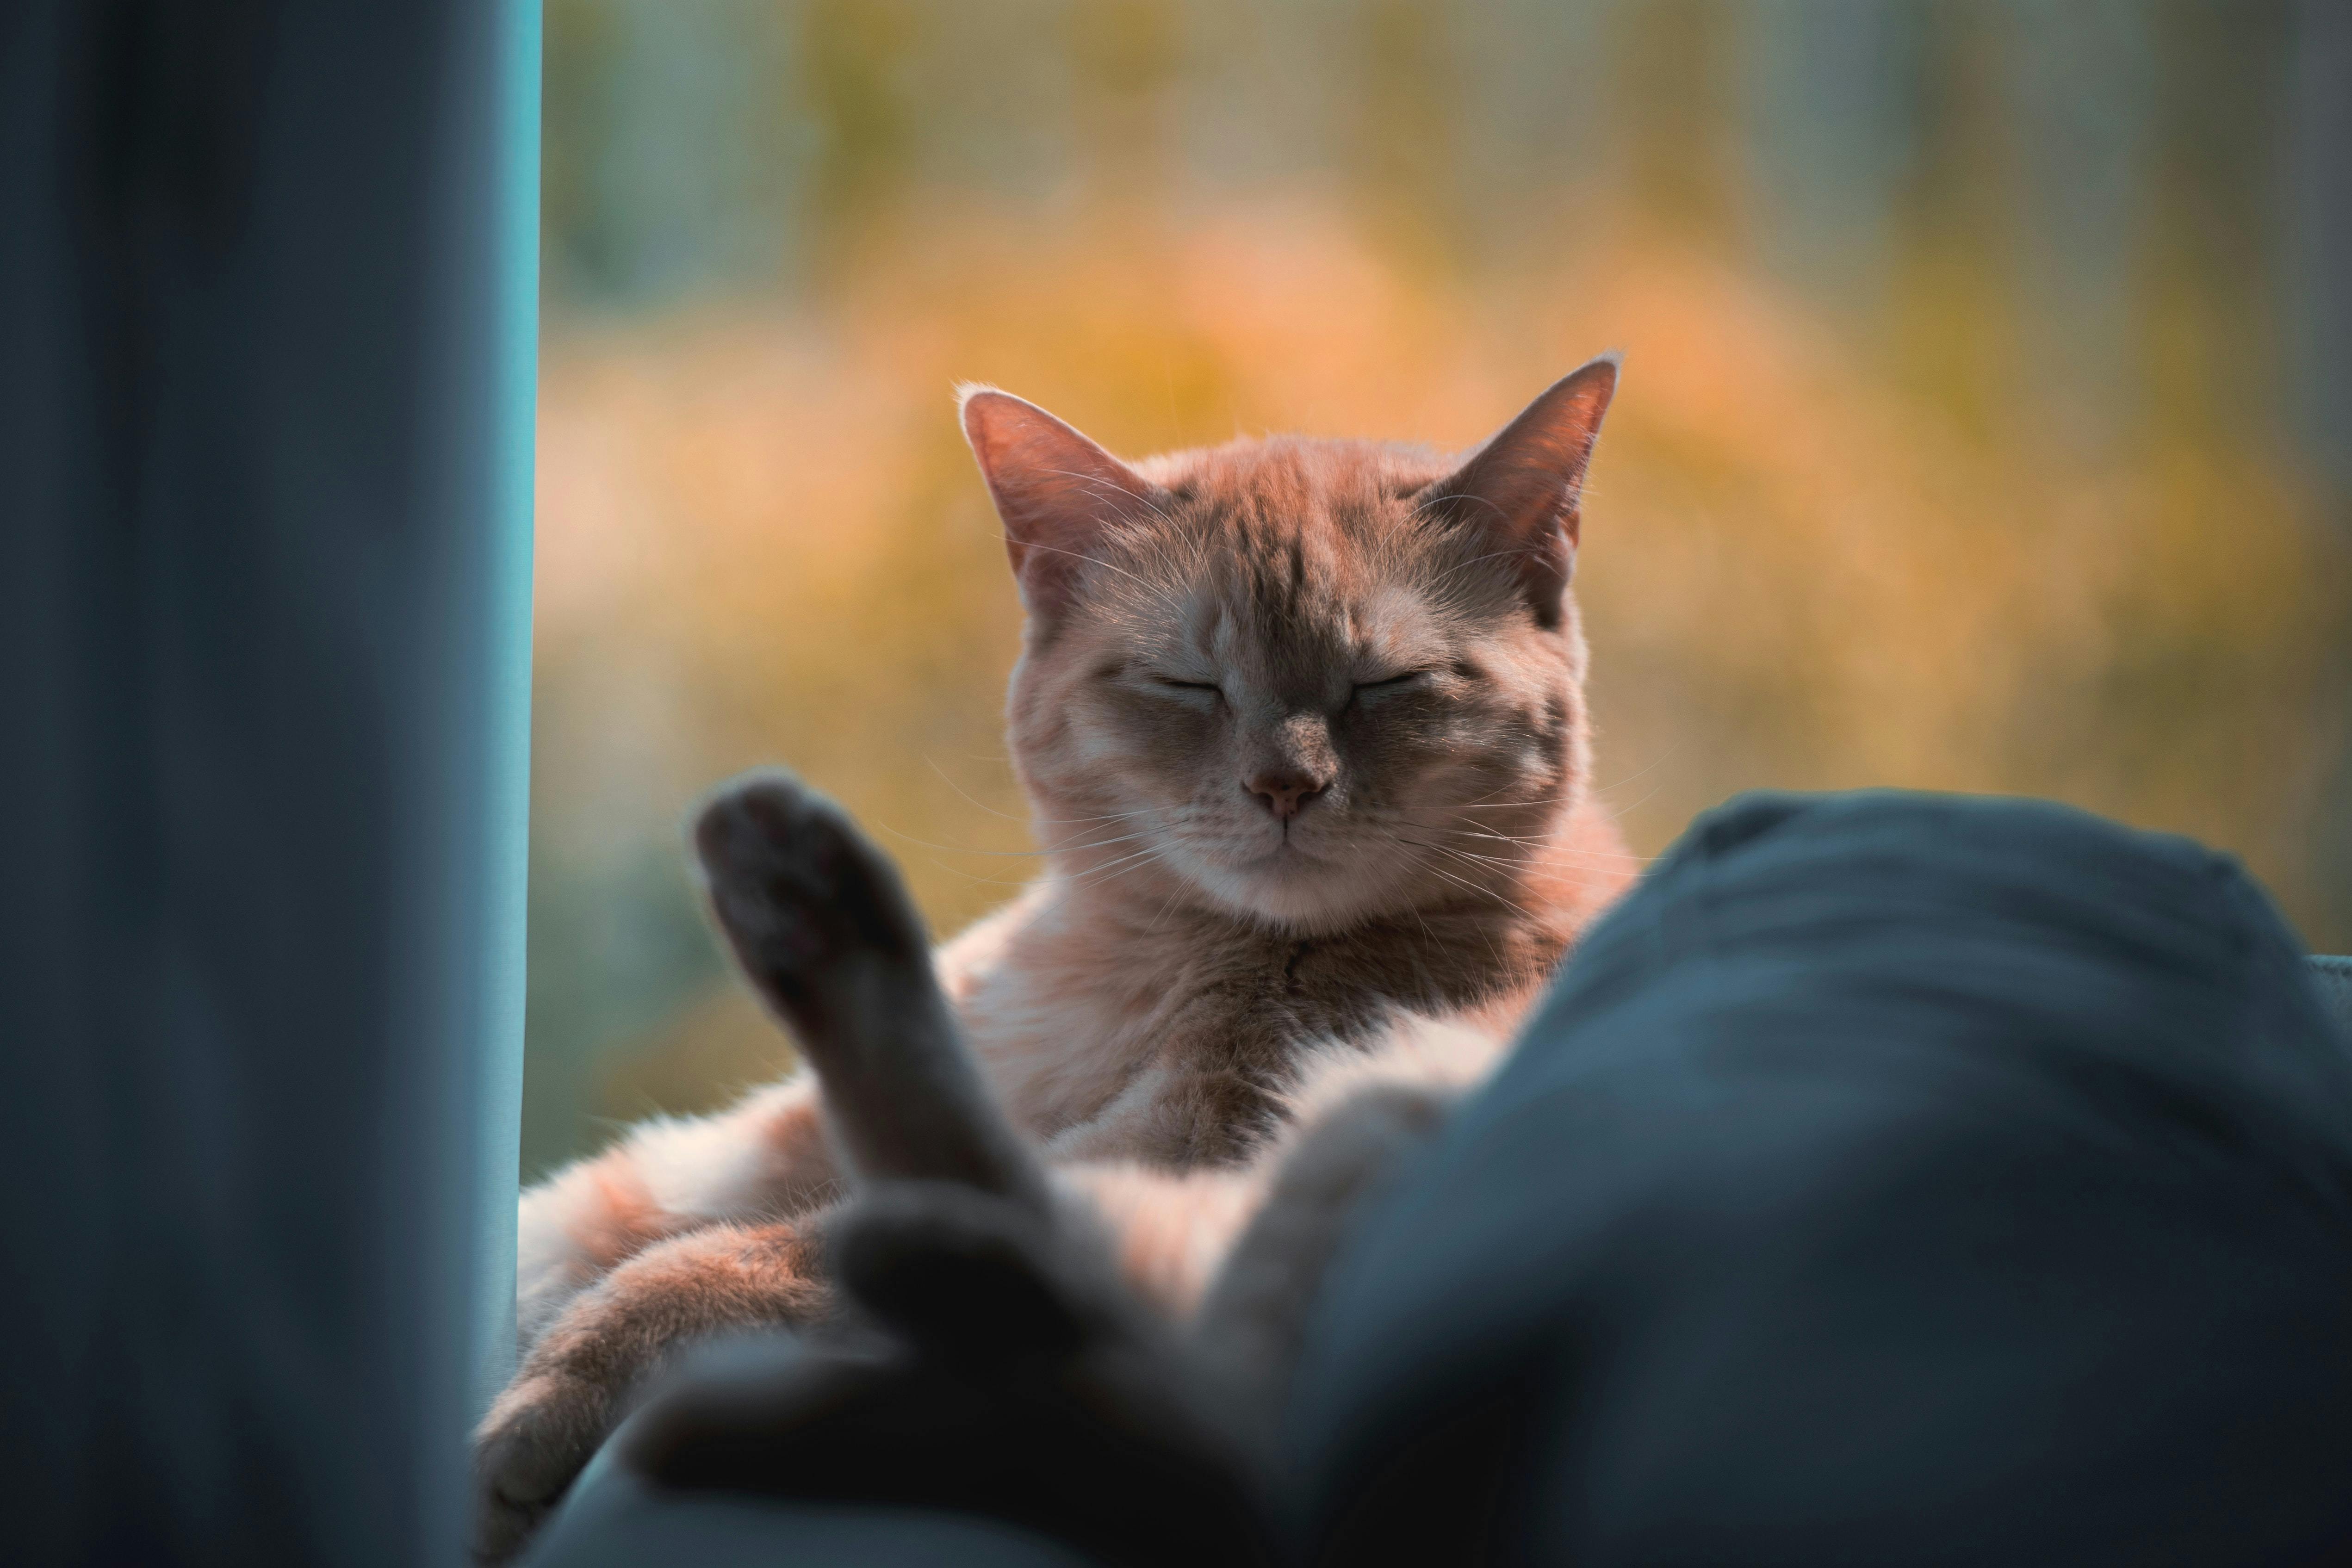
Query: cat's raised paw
[[798, 890]]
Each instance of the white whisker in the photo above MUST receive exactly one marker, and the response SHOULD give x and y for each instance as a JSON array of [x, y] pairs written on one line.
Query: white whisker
[[1007, 854], [1045, 821]]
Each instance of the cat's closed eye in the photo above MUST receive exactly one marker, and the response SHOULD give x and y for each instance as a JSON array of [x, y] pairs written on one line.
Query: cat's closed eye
[[1190, 688], [1387, 684]]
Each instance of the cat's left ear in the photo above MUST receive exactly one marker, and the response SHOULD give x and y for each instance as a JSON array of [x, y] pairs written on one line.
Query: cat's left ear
[[1521, 489]]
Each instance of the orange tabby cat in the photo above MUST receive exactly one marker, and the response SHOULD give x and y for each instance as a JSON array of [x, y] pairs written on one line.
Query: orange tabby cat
[[1302, 722]]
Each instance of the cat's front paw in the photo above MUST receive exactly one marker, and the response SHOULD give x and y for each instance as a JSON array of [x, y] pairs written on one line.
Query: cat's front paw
[[572, 1390], [527, 1451], [583, 1373]]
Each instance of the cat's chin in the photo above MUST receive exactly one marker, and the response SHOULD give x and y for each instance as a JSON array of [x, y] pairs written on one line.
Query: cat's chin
[[1296, 894]]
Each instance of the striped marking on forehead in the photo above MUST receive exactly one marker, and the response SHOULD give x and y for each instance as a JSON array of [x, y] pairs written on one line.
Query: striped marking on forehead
[[1291, 535]]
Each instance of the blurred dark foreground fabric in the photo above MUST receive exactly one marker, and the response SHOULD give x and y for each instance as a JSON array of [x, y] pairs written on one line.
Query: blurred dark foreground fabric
[[1892, 1178]]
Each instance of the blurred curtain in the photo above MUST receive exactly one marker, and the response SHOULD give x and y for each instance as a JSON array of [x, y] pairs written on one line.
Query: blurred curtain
[[266, 297]]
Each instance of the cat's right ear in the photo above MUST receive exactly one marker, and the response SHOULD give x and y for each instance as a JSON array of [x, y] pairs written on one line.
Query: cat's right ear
[[1058, 493]]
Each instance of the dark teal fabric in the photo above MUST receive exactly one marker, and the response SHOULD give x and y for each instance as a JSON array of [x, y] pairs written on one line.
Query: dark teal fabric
[[2334, 973], [619, 1521], [1890, 1179], [260, 642]]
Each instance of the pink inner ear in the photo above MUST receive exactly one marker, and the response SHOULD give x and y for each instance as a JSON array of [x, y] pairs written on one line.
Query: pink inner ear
[[1527, 477], [1056, 492], [1521, 487]]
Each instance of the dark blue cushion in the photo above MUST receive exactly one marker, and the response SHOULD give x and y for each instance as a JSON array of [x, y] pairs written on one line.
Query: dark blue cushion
[[616, 1519], [2334, 974], [1890, 1179]]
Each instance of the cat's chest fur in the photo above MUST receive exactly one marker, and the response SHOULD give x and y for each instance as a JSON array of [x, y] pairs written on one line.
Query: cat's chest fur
[[1071, 1005]]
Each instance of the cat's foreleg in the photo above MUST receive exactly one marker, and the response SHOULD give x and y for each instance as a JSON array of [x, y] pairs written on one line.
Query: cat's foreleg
[[767, 1158], [576, 1382]]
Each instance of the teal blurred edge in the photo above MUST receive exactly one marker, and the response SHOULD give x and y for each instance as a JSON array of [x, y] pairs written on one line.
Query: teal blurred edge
[[507, 869]]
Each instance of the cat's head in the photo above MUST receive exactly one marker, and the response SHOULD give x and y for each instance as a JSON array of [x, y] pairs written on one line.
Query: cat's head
[[1307, 682]]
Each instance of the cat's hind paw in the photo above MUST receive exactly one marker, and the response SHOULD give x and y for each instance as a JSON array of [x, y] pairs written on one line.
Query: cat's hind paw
[[824, 931], [800, 892]]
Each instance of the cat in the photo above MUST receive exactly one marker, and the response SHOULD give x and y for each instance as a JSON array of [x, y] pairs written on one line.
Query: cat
[[1302, 725]]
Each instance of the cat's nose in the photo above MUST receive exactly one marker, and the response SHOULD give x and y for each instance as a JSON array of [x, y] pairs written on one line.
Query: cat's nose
[[1284, 792]]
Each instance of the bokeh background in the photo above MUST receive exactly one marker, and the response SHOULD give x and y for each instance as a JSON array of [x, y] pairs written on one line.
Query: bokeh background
[[1987, 422]]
